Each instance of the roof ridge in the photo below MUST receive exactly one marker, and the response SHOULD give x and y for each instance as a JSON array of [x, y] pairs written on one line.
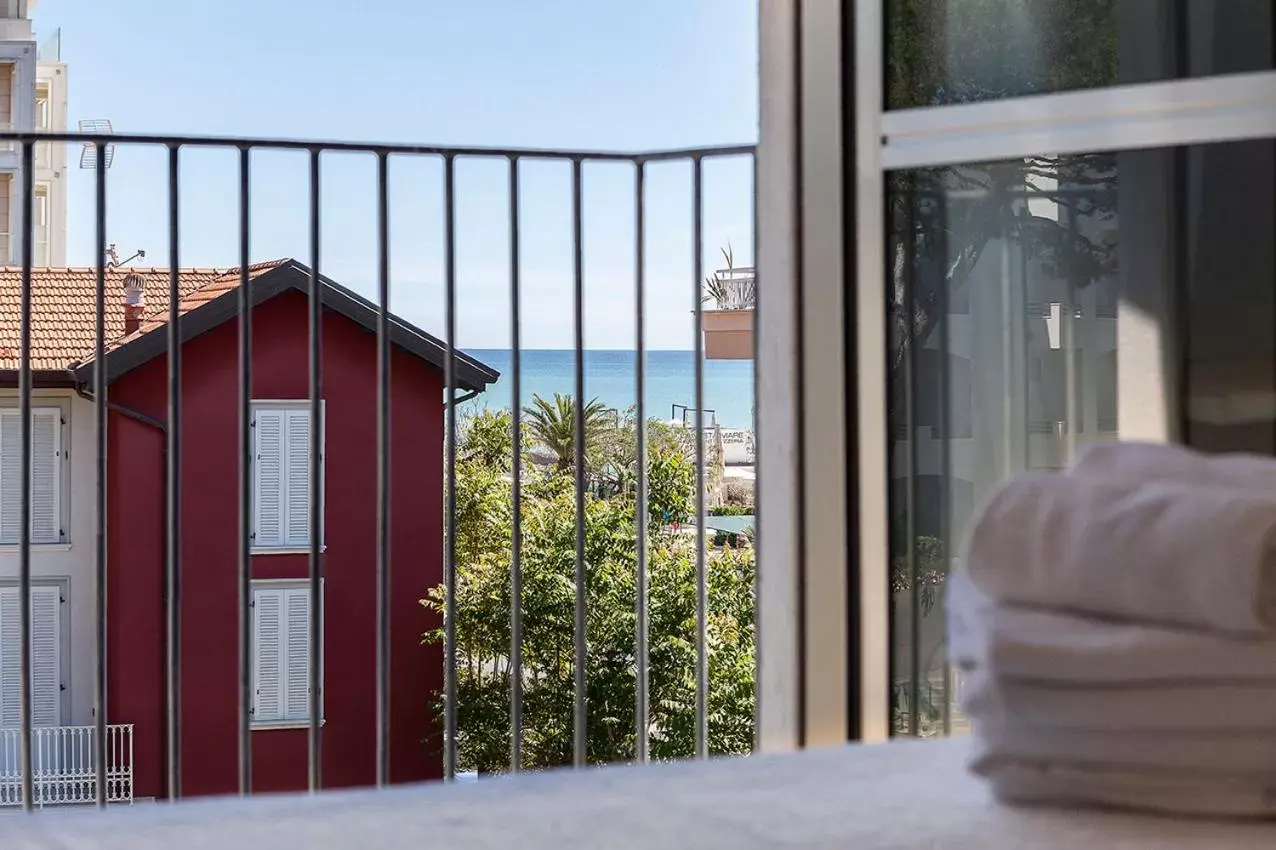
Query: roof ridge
[[193, 270]]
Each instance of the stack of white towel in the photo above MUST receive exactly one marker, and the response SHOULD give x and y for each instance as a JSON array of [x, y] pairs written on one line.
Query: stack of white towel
[[1116, 629]]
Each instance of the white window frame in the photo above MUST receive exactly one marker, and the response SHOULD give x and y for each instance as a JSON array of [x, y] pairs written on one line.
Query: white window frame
[[299, 405], [15, 211], [288, 585], [42, 118], [62, 407], [40, 224], [14, 122], [804, 631], [43, 105]]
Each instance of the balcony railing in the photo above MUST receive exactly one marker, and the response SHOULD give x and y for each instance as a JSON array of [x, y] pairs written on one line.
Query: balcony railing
[[61, 768], [64, 765], [50, 49], [733, 288]]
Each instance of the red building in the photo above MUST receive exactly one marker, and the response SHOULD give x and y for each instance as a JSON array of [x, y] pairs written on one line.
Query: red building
[[136, 365]]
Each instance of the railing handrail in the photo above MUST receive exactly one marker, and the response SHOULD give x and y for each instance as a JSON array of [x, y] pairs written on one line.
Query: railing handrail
[[63, 727], [380, 147]]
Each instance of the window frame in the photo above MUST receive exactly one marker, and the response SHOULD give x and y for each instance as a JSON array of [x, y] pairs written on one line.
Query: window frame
[[43, 94], [1219, 108], [280, 586], [303, 405], [12, 207], [826, 145], [41, 199], [63, 407]]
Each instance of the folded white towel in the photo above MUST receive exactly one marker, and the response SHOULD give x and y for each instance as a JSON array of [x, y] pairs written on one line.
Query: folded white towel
[[1116, 706], [1035, 645], [1241, 752], [1158, 791], [1140, 462], [1161, 551]]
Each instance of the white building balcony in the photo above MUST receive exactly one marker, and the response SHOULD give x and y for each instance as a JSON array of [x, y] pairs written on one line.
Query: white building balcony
[[64, 765]]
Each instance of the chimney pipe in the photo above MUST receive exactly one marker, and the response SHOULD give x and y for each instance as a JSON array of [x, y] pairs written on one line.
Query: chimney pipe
[[134, 301]]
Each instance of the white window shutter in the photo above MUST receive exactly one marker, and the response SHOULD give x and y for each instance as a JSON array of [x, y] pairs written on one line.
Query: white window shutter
[[298, 655], [46, 656], [10, 477], [267, 645], [269, 470], [298, 477], [10, 656], [46, 476]]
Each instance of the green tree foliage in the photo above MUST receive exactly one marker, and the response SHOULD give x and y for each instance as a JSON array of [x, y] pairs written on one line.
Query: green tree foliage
[[553, 425], [484, 535]]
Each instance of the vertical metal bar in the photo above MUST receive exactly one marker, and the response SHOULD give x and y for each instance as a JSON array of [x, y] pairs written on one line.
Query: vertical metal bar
[[383, 470], [449, 533], [99, 418], [173, 537], [1068, 326], [516, 425], [758, 473], [245, 303], [579, 721], [944, 419], [642, 652], [799, 353], [315, 304], [702, 577], [24, 535], [907, 308]]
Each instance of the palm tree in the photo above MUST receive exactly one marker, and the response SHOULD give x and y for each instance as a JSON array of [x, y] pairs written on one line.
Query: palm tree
[[553, 425]]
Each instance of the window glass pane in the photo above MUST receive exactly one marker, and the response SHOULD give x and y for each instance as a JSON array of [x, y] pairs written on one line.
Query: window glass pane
[[1043, 304], [960, 51]]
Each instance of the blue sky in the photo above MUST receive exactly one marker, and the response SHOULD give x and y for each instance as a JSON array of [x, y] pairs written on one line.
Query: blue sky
[[638, 74]]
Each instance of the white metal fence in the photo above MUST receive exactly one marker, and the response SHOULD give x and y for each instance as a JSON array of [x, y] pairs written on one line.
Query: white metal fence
[[63, 768]]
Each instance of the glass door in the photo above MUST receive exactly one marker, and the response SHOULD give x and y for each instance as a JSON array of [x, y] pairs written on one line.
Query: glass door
[[1077, 207]]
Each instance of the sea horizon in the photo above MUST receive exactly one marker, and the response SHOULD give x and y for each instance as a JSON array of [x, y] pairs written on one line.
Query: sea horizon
[[610, 377]]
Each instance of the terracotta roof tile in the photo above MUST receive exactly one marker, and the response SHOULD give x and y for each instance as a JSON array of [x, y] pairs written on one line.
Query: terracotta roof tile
[[64, 315]]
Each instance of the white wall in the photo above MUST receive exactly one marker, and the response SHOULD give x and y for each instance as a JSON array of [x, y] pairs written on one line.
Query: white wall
[[51, 167], [22, 55], [72, 561]]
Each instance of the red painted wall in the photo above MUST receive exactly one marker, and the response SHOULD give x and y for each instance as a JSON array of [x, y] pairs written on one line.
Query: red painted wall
[[209, 527]]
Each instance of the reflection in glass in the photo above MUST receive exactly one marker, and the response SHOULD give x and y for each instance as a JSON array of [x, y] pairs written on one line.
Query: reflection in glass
[[961, 51], [1043, 304]]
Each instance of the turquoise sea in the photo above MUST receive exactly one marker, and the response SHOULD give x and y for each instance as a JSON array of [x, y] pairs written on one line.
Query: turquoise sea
[[609, 376]]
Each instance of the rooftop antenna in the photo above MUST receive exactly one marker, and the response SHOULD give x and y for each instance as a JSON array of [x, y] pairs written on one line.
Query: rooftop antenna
[[113, 260], [88, 151]]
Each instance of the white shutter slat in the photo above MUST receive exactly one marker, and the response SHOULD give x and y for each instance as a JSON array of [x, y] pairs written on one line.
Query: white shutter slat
[[267, 699], [46, 517], [10, 657], [10, 477], [268, 507], [297, 661], [46, 665], [298, 477]]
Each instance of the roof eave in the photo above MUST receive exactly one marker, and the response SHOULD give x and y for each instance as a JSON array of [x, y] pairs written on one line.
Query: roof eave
[[40, 378], [470, 373]]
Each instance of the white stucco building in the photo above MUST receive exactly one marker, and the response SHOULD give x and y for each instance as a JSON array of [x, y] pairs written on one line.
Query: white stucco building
[[33, 97]]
